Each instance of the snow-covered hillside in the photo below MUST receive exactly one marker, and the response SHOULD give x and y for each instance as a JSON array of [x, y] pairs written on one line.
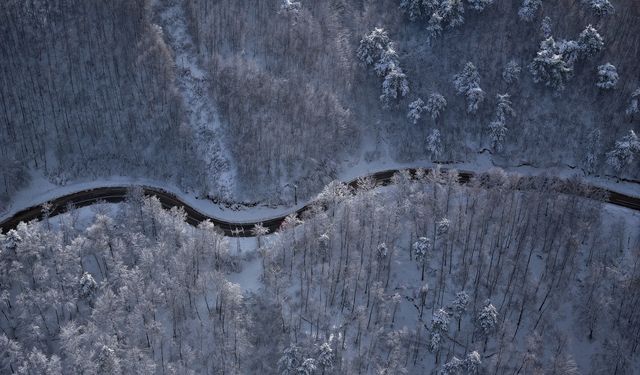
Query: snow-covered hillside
[[423, 276]]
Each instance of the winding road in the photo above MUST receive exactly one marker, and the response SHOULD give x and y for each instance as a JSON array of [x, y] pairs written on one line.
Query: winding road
[[243, 229]]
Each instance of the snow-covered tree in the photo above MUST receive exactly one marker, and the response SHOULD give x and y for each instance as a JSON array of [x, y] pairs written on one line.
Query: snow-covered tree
[[449, 14], [442, 226], [372, 45], [11, 354], [479, 5], [527, 11], [607, 76], [497, 134], [376, 48], [469, 366], [467, 83], [459, 306], [434, 144], [624, 152], [440, 321], [326, 357], [259, 231], [289, 361], [439, 328], [418, 9], [290, 6], [487, 320], [599, 7], [88, 286], [308, 367], [394, 86], [108, 362], [434, 26], [387, 62], [416, 108], [634, 103], [545, 27], [381, 251], [504, 107], [550, 67], [592, 150], [590, 41], [453, 367], [475, 97], [421, 249], [38, 363], [467, 79], [570, 50], [436, 104], [11, 240], [472, 363], [563, 363], [511, 72]]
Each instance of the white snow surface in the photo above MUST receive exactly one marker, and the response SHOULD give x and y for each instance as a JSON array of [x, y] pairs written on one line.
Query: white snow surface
[[42, 190], [192, 82]]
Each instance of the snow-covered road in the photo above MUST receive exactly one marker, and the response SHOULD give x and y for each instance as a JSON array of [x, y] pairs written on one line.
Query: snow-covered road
[[199, 210]]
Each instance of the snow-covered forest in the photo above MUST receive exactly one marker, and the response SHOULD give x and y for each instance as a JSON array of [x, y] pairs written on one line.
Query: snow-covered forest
[[503, 275], [248, 96], [244, 111]]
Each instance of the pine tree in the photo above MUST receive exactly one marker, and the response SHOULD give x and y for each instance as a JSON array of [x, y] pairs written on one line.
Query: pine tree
[[592, 150], [467, 83], [418, 9], [545, 27], [326, 357], [387, 62], [88, 286], [453, 367], [479, 5], [472, 363], [498, 128], [607, 76], [395, 86], [436, 104], [487, 320], [459, 306], [290, 6], [416, 108], [467, 79], [372, 45], [590, 42], [504, 107], [421, 249], [449, 14], [434, 144], [624, 152], [308, 367], [108, 362], [511, 72], [634, 103], [289, 361], [527, 11], [599, 7], [549, 66], [442, 226], [439, 328]]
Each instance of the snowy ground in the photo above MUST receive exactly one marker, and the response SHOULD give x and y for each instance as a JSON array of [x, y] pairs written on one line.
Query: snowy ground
[[41, 190], [193, 83]]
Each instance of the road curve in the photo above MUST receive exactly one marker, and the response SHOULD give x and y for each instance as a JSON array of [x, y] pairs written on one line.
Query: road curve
[[243, 229]]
